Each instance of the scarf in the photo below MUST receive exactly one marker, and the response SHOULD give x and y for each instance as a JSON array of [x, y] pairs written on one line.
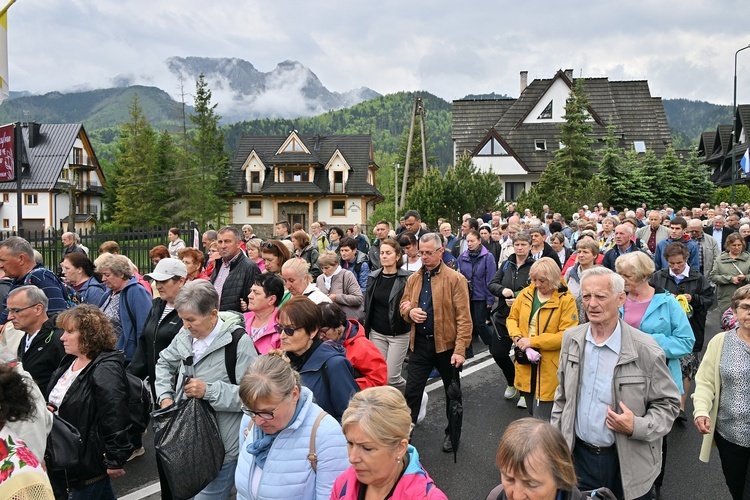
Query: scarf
[[262, 442], [327, 279], [298, 362]]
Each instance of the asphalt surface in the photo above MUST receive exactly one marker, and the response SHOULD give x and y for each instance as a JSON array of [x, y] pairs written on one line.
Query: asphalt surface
[[486, 415]]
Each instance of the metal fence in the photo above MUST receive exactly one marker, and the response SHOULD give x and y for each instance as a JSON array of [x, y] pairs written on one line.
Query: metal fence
[[135, 244]]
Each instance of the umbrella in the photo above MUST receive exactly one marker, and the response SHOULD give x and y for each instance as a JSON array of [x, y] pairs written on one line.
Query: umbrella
[[455, 412]]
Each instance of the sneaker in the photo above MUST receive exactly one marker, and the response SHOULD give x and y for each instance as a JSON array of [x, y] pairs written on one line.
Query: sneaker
[[434, 373], [511, 392], [137, 453], [521, 402]]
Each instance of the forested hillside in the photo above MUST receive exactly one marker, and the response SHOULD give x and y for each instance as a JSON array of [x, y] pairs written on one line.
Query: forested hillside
[[688, 119]]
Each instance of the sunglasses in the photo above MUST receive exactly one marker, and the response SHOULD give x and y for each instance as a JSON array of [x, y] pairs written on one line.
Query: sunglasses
[[288, 330], [268, 244]]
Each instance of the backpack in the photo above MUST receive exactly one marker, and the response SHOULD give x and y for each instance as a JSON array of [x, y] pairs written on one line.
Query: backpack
[[70, 295], [230, 354], [140, 404]]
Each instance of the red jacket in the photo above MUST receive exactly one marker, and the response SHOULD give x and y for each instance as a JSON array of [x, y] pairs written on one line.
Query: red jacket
[[370, 368]]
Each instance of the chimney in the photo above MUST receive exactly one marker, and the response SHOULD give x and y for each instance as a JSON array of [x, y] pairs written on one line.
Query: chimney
[[35, 136], [569, 74], [524, 80]]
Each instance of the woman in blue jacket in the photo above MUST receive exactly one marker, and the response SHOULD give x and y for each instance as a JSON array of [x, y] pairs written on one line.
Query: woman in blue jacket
[[280, 418], [478, 267], [656, 312]]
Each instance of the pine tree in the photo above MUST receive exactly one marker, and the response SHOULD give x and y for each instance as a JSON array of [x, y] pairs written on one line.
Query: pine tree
[[576, 157], [168, 157]]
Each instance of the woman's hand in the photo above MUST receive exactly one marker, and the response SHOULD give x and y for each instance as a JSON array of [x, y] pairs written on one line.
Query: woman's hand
[[509, 302], [332, 297], [507, 293], [243, 305], [115, 473], [523, 343], [195, 388], [166, 402], [703, 424]]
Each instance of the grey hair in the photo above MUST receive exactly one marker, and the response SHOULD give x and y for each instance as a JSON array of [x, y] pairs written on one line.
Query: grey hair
[[248, 227], [38, 258], [18, 246], [617, 283], [233, 230], [198, 296], [434, 237], [118, 264], [33, 294], [212, 234]]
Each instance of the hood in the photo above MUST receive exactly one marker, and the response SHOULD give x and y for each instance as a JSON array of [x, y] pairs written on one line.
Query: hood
[[353, 329], [361, 257], [231, 319]]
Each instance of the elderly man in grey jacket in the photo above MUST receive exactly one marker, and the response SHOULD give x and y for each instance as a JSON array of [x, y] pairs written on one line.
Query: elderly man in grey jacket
[[616, 398]]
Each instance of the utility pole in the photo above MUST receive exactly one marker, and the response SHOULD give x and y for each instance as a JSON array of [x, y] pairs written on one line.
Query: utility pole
[[72, 198], [417, 111]]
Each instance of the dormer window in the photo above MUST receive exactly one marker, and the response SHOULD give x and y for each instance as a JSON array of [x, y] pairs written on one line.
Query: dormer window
[[296, 176], [254, 182], [492, 148], [546, 114], [338, 181], [639, 146], [540, 145], [293, 147]]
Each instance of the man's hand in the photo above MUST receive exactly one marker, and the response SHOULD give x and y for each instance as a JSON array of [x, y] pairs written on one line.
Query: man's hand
[[417, 315], [703, 424], [622, 423], [688, 297], [457, 360], [195, 388], [115, 473]]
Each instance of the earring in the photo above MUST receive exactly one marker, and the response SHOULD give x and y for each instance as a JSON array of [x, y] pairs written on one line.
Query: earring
[[398, 459]]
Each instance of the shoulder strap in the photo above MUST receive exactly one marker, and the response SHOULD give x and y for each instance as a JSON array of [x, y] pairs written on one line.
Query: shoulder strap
[[230, 354], [312, 456]]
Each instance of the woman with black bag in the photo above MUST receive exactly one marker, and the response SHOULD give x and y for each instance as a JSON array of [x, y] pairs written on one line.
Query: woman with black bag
[[89, 391]]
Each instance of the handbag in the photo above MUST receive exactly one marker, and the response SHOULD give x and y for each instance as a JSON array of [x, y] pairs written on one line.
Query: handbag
[[63, 445], [520, 356]]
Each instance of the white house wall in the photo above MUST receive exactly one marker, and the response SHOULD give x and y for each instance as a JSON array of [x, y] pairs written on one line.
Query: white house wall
[[558, 93], [240, 209], [501, 165]]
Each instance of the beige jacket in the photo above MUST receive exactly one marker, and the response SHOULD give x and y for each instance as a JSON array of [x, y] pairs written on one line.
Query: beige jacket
[[450, 301], [707, 391], [643, 382]]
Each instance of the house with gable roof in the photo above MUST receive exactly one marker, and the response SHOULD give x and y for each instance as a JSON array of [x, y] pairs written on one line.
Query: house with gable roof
[[52, 157], [717, 149], [517, 138], [303, 179]]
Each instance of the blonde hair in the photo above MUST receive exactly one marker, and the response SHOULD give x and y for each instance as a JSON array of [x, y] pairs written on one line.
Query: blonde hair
[[381, 413], [638, 262], [299, 266], [546, 268], [589, 244], [328, 258], [269, 378]]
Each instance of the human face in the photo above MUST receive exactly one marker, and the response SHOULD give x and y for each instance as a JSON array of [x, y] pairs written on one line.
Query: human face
[[496, 235], [472, 242], [334, 236], [297, 343], [695, 230], [347, 253], [68, 240], [328, 333], [465, 228], [272, 262], [676, 231], [631, 283], [168, 289], [172, 237], [213, 254], [253, 253], [521, 249], [23, 314], [246, 233], [199, 326], [538, 485], [742, 312], [381, 231], [329, 270], [537, 240], [13, 265], [193, 268], [388, 256], [733, 221], [745, 230], [374, 463], [205, 241], [654, 220], [431, 254], [543, 285], [484, 234], [445, 230], [282, 410], [411, 251], [229, 246], [585, 257], [676, 264], [412, 224], [735, 248], [556, 245], [607, 226], [71, 273], [71, 339], [294, 282], [281, 231], [600, 303], [115, 283], [257, 300], [718, 223], [622, 236]]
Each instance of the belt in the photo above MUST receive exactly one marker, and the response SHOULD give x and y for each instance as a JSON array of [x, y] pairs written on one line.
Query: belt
[[596, 450]]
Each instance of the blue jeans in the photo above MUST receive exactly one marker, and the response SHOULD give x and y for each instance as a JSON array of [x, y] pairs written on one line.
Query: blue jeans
[[101, 490], [220, 487]]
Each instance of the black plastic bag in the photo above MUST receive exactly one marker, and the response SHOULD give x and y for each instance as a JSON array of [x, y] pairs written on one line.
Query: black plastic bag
[[188, 443]]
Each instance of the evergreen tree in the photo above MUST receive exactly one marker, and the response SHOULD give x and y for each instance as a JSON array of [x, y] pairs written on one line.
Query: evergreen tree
[[575, 158], [168, 157], [696, 178]]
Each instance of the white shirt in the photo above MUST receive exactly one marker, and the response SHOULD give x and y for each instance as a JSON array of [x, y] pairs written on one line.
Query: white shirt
[[200, 345], [683, 274], [29, 340]]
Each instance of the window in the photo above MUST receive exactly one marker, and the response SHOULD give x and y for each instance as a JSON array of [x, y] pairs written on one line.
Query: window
[[513, 190], [492, 148], [77, 156], [254, 207], [540, 144], [338, 207], [293, 147], [338, 182], [547, 113], [254, 182], [639, 146], [6, 197], [296, 176], [6, 223], [31, 199]]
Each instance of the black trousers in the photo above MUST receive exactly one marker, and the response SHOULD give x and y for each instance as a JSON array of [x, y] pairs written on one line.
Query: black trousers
[[735, 463], [500, 349], [596, 471], [421, 362]]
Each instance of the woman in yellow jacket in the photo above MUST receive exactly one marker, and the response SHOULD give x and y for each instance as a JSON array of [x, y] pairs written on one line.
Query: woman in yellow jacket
[[538, 317]]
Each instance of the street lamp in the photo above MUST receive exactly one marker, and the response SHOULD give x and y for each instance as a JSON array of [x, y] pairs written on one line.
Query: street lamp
[[734, 125]]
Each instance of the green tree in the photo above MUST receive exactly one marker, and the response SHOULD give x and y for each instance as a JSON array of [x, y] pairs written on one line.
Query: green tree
[[696, 178], [575, 158], [168, 157]]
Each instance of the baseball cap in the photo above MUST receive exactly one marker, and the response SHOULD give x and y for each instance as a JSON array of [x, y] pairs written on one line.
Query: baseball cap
[[168, 268]]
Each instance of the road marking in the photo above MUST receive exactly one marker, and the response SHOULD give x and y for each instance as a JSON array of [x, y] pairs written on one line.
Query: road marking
[[149, 490]]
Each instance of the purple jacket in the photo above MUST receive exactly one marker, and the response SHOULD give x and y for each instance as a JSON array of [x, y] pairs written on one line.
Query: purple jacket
[[480, 272]]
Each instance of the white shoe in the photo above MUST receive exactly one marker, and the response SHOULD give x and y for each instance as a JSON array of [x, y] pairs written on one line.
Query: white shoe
[[137, 453], [511, 392], [521, 402]]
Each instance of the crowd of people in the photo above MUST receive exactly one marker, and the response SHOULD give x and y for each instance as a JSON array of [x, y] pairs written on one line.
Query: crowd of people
[[299, 344]]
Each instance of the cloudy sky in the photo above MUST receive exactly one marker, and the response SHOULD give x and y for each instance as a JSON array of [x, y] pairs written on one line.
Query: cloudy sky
[[450, 48]]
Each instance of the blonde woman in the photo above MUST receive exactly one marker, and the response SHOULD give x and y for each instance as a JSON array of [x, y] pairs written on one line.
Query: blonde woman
[[341, 287]]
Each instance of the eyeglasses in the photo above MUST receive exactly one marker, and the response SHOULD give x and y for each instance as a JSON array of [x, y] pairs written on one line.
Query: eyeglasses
[[265, 415], [323, 331], [21, 309], [288, 330], [428, 253], [744, 307]]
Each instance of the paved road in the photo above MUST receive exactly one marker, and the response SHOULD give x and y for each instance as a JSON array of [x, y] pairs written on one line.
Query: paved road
[[486, 415]]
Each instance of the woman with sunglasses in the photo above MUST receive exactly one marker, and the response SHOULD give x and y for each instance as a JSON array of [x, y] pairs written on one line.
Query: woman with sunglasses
[[322, 366], [275, 433]]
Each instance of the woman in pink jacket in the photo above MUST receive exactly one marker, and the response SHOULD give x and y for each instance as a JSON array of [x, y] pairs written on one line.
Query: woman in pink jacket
[[384, 465], [262, 316]]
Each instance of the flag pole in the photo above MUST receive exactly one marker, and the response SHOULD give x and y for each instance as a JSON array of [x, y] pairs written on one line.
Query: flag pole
[[5, 9]]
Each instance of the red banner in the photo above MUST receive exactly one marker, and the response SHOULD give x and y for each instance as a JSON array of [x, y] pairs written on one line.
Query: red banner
[[7, 165]]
